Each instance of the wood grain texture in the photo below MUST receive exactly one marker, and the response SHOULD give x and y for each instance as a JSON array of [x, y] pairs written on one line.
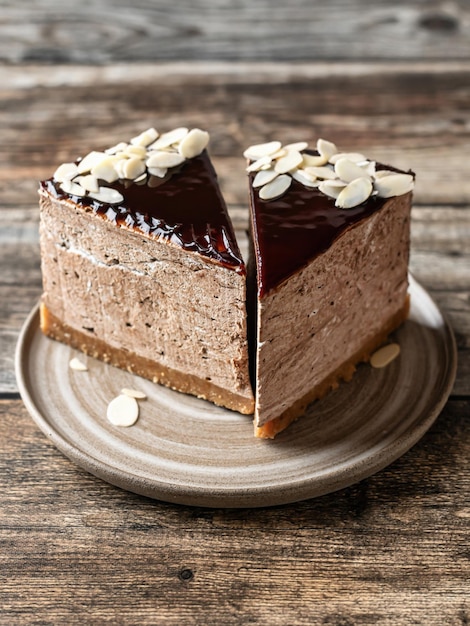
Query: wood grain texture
[[391, 550], [55, 114], [106, 31]]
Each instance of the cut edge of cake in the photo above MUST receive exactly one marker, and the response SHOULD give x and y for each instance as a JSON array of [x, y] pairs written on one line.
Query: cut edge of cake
[[279, 176]]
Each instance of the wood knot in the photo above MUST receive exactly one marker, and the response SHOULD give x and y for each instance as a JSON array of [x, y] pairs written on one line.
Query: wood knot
[[186, 574], [439, 22]]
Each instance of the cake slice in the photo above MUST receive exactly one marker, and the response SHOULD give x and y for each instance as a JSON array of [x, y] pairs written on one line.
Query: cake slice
[[330, 239], [141, 267]]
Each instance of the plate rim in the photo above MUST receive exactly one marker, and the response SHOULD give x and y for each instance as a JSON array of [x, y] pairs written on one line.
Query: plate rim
[[252, 496]]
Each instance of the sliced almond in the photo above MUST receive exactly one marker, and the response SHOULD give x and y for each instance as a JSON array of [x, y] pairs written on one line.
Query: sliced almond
[[275, 188], [355, 193], [278, 154], [141, 178], [193, 143], [123, 411], [394, 185], [331, 188], [355, 157], [165, 160], [368, 166], [325, 173], [134, 393], [169, 138], [160, 172], [74, 189], [259, 164], [66, 171], [263, 177], [145, 138], [385, 355], [289, 162], [136, 151], [106, 169], [77, 365], [382, 173], [298, 146], [108, 195], [88, 182], [302, 177], [314, 160], [133, 168], [89, 162], [119, 147], [255, 152], [326, 149], [348, 171]]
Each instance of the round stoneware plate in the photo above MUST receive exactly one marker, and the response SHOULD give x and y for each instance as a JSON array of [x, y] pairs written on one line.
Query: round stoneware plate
[[188, 451]]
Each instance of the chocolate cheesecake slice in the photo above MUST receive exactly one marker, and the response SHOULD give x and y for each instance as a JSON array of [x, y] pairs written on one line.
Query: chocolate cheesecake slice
[[141, 267], [330, 239]]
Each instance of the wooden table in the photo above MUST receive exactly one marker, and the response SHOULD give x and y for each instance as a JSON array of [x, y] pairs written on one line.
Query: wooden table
[[392, 550]]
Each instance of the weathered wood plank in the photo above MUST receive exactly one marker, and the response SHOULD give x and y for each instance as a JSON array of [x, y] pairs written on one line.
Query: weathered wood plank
[[391, 550], [110, 30], [55, 115]]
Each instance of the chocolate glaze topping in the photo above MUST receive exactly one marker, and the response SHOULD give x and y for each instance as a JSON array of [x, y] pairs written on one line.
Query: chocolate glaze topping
[[290, 231], [186, 209]]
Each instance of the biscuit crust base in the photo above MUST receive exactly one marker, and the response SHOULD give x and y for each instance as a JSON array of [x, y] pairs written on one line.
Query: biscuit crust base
[[98, 349], [345, 372]]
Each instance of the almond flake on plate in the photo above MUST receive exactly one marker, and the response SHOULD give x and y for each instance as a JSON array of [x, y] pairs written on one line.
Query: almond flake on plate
[[77, 365], [133, 393], [384, 356], [123, 411]]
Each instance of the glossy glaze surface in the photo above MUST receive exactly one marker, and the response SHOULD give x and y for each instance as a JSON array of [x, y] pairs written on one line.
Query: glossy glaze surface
[[186, 209], [290, 231]]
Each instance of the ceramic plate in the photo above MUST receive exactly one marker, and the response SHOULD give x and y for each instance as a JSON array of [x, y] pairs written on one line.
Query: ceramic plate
[[188, 451]]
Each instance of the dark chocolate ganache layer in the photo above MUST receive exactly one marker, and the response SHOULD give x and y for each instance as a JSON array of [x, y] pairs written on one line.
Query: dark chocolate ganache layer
[[186, 209], [290, 231]]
